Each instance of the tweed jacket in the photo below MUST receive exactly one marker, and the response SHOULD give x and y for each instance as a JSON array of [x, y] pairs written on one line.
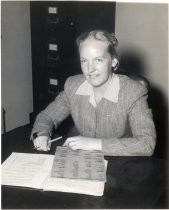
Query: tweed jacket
[[109, 120]]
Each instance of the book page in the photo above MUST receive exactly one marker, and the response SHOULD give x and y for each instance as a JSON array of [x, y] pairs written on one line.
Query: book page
[[82, 186], [74, 186], [27, 170], [78, 164]]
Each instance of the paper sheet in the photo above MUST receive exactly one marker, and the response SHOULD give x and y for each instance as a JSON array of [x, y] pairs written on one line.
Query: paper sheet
[[79, 164], [27, 170], [75, 185]]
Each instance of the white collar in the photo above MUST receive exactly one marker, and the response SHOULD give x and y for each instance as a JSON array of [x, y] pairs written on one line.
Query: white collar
[[111, 93]]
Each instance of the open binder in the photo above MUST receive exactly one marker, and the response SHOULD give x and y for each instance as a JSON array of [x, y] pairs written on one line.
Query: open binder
[[57, 172]]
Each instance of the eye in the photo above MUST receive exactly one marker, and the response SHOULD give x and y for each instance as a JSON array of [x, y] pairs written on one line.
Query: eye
[[99, 60], [83, 61]]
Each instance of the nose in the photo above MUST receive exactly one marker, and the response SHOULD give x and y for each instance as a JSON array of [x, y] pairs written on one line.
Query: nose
[[91, 67]]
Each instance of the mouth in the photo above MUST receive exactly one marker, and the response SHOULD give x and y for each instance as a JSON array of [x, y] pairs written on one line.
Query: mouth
[[93, 76]]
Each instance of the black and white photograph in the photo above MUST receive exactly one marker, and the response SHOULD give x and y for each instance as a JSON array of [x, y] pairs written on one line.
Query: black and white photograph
[[84, 105]]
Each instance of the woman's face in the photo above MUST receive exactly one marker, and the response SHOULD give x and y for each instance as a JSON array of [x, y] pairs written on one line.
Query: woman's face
[[96, 61]]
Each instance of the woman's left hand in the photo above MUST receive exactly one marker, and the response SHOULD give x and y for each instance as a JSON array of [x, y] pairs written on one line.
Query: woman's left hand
[[85, 143]]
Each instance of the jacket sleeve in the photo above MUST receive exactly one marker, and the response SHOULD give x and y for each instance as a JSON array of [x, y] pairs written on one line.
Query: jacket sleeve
[[54, 113], [143, 140]]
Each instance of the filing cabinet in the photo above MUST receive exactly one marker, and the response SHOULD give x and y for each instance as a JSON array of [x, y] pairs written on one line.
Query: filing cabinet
[[54, 28]]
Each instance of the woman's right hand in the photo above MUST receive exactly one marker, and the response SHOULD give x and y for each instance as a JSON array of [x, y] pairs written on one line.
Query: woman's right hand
[[41, 143]]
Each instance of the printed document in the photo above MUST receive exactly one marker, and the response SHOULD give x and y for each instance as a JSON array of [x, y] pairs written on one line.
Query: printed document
[[79, 164], [26, 170]]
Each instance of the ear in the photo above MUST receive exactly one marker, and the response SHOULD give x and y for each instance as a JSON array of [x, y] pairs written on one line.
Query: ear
[[114, 62]]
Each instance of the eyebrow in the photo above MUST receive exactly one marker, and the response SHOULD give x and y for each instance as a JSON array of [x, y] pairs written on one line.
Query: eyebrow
[[102, 56]]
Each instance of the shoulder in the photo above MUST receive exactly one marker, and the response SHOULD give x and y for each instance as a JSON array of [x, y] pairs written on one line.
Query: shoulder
[[79, 78], [73, 82], [131, 87]]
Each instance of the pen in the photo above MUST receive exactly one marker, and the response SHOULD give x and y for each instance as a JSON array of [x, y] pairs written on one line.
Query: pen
[[56, 139], [50, 141]]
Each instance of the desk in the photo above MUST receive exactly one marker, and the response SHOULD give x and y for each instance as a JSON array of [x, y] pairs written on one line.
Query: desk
[[132, 182]]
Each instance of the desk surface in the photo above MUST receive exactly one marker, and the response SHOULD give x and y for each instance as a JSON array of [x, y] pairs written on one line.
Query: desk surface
[[132, 182]]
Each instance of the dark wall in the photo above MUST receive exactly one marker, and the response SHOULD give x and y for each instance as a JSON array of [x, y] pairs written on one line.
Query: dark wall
[[133, 65]]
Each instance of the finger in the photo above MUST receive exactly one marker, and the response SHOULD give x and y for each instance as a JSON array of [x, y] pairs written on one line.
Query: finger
[[43, 143], [40, 143], [49, 146], [71, 144], [67, 142], [75, 147], [36, 143], [44, 146]]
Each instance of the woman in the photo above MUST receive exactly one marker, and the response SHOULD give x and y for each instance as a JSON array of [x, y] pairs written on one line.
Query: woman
[[103, 105]]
